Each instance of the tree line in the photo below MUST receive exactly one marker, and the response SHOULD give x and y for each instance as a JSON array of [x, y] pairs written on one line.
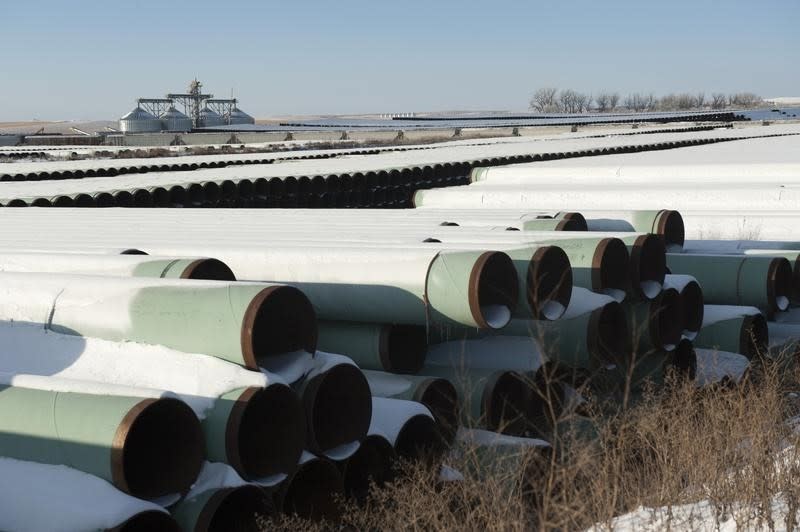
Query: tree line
[[552, 100]]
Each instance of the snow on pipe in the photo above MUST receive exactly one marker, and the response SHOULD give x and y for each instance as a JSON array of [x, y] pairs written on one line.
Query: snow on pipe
[[655, 324], [124, 265], [371, 463], [261, 432], [692, 303], [409, 426], [312, 491], [393, 348], [717, 367], [239, 322], [734, 329], [149, 448], [491, 399], [759, 281], [437, 394], [74, 501], [221, 510], [336, 400]]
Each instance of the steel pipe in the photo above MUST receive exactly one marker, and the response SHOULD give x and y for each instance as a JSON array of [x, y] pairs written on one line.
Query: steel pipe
[[734, 329], [224, 509], [393, 348]]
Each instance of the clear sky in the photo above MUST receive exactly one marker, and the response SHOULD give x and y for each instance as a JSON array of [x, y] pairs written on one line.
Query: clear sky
[[90, 59]]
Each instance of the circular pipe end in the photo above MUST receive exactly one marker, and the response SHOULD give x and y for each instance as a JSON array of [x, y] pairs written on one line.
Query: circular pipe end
[[611, 267], [779, 284], [549, 283], [753, 336], [669, 225], [419, 439], [648, 266], [132, 251], [237, 509], [208, 269], [371, 463], [572, 221], [279, 319], [402, 348], [441, 398], [666, 319], [149, 520], [505, 403], [607, 335], [493, 290], [682, 364], [157, 449], [693, 308], [338, 405], [311, 493], [266, 432]]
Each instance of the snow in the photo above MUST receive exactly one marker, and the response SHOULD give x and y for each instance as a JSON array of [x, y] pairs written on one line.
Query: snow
[[36, 497], [497, 316], [448, 474], [713, 366], [717, 313], [343, 451], [385, 384], [195, 378], [486, 438], [214, 476], [290, 367], [584, 300]]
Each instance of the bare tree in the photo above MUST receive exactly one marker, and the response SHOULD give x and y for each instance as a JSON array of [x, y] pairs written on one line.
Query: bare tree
[[700, 100], [613, 101], [544, 100], [639, 102], [744, 99], [603, 102], [718, 101]]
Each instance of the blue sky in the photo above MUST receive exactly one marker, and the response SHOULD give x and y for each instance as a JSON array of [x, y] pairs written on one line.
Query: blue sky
[[88, 59]]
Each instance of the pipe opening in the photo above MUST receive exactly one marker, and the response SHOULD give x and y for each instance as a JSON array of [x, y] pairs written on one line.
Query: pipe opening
[[338, 403], [228, 189], [84, 200], [280, 319], [312, 491], [666, 319], [196, 194], [611, 268], [670, 226], [796, 280], [607, 335], [779, 283], [142, 198], [160, 197], [132, 251], [402, 348], [103, 199], [577, 222], [441, 398], [123, 198], [266, 432], [245, 188], [493, 290], [177, 195], [549, 283], [150, 520], [505, 403], [158, 449], [754, 336], [371, 463], [41, 202], [208, 269], [682, 364], [236, 509], [419, 439], [693, 309], [63, 201], [648, 266]]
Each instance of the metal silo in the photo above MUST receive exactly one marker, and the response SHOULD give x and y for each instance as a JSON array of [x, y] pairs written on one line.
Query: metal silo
[[209, 118], [237, 116], [174, 120], [139, 121]]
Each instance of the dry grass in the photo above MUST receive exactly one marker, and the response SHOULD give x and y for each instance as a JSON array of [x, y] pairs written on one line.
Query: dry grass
[[730, 446]]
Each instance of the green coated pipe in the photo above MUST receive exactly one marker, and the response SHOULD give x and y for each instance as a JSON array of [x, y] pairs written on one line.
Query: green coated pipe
[[148, 448], [491, 399], [225, 509], [668, 224], [436, 393], [260, 432], [734, 329], [749, 280], [383, 347], [238, 322]]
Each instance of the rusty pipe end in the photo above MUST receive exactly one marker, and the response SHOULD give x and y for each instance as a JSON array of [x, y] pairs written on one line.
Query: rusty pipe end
[[208, 269], [779, 284], [753, 336], [505, 403], [648, 266], [549, 283], [572, 221], [669, 225], [441, 398], [338, 406], [402, 348], [132, 251], [236, 508], [493, 290], [279, 319], [419, 439], [266, 432], [611, 268], [158, 449]]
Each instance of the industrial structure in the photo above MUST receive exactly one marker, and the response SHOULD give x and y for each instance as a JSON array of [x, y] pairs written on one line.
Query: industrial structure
[[199, 110]]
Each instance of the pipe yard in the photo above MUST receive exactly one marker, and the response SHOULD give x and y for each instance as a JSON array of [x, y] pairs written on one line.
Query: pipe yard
[[241, 337]]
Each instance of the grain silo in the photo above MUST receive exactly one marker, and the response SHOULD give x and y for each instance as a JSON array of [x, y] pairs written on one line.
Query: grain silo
[[139, 121], [237, 116], [210, 118], [174, 120]]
